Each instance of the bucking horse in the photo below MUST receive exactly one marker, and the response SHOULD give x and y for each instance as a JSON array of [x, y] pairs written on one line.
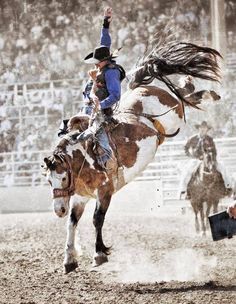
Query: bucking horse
[[147, 114]]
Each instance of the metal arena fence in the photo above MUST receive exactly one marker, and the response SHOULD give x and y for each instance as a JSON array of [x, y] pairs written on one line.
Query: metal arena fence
[[21, 169]]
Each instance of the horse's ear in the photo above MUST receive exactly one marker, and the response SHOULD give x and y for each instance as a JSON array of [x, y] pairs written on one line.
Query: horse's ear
[[47, 162]]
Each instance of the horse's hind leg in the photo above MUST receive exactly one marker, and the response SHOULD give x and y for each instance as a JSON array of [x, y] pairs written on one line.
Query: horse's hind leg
[[76, 211], [102, 204]]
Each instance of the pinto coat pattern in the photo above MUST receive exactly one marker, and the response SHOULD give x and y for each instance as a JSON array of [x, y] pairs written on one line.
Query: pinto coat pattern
[[136, 141], [147, 115]]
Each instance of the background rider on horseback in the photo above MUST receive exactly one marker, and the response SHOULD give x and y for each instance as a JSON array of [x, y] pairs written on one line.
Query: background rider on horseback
[[195, 148]]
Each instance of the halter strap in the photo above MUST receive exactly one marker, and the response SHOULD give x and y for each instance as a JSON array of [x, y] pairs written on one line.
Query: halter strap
[[70, 190]]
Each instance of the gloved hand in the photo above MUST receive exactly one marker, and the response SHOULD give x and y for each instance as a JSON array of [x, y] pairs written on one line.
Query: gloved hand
[[107, 17], [71, 138], [93, 74]]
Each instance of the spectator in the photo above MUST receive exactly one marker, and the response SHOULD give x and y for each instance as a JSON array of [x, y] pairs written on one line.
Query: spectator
[[21, 42], [52, 38]]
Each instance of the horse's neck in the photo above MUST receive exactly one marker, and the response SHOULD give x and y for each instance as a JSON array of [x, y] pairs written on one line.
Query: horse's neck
[[61, 147], [204, 167], [205, 175], [202, 170]]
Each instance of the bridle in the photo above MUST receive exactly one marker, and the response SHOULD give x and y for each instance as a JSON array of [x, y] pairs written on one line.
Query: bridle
[[206, 165], [70, 189]]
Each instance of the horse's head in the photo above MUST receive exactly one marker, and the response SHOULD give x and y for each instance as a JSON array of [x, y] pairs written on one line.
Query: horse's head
[[209, 159], [60, 177]]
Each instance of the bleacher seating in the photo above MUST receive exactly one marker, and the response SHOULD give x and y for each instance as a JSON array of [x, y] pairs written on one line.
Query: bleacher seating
[[42, 74]]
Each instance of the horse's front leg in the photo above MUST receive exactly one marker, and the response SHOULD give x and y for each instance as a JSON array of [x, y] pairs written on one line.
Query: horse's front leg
[[215, 206], [197, 226], [77, 205], [195, 210], [203, 220], [209, 206], [102, 204]]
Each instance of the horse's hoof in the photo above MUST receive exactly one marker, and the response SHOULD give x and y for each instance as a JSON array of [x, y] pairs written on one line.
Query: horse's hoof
[[99, 259], [70, 267]]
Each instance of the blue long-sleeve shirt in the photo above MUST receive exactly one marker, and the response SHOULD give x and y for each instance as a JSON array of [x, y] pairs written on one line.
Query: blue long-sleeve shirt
[[112, 76], [105, 38]]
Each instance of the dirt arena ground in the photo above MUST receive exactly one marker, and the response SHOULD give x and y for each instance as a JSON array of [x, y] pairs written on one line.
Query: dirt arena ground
[[156, 258]]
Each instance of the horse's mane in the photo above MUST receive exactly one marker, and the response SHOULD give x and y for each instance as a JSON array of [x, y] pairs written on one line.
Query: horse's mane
[[165, 56]]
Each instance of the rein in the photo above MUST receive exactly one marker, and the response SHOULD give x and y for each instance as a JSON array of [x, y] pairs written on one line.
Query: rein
[[206, 173], [151, 115], [70, 190]]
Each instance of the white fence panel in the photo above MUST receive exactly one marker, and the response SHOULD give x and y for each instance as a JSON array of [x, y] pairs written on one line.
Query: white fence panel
[[21, 169]]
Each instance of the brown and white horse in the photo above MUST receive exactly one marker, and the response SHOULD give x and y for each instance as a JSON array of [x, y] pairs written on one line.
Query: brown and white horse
[[73, 171]]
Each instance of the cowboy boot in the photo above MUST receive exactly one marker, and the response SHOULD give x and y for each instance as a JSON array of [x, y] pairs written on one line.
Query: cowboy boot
[[108, 162], [63, 129], [111, 166]]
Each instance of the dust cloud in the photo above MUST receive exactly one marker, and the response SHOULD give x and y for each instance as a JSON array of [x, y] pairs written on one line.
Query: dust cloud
[[184, 264]]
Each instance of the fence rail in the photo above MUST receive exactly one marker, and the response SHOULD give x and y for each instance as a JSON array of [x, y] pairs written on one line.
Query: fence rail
[[24, 168], [170, 160]]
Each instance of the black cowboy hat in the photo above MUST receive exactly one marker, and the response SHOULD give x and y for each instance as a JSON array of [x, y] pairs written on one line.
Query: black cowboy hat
[[203, 124], [99, 54]]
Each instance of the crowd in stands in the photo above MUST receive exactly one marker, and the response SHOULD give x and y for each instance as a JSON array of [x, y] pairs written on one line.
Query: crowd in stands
[[49, 38], [29, 118], [44, 41]]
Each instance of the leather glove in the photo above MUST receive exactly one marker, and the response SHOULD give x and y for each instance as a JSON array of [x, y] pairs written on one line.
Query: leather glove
[[107, 17]]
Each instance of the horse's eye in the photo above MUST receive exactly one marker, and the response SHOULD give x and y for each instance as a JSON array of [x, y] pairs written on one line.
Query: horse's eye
[[64, 179]]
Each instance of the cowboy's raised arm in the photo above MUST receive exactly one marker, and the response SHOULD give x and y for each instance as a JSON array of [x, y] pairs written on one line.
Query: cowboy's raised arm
[[105, 35]]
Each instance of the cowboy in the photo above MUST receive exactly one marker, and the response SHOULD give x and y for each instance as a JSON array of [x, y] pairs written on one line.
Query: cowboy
[[103, 90], [194, 148]]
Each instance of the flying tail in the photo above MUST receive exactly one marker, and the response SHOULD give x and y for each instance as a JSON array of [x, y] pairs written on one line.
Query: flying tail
[[176, 58]]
